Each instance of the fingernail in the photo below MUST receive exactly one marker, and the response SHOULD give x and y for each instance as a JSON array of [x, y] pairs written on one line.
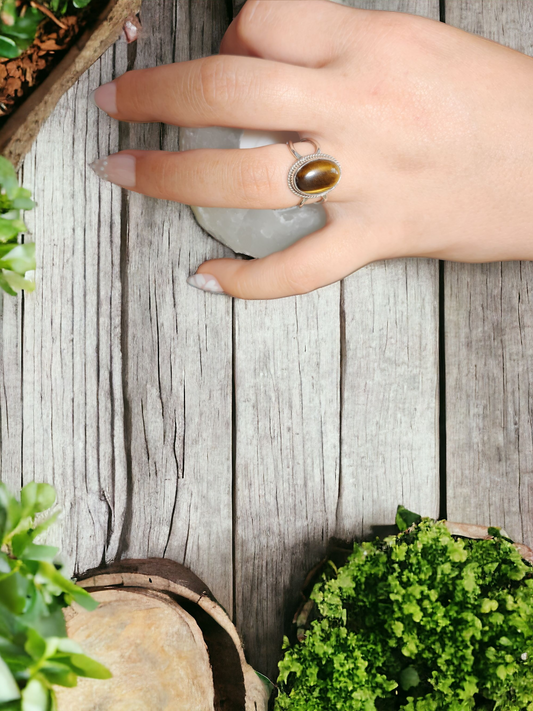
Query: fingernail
[[205, 282], [105, 97], [118, 168]]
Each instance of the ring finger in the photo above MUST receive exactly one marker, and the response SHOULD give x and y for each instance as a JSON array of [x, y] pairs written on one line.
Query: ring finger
[[245, 178]]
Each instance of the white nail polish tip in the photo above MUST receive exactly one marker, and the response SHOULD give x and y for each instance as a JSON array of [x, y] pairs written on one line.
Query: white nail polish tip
[[205, 282]]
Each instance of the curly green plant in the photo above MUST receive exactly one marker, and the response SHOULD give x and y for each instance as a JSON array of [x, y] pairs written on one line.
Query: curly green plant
[[19, 21], [35, 652], [421, 621], [15, 259]]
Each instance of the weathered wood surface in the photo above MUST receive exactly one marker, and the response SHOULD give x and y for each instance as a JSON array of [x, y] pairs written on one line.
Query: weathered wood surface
[[489, 342], [236, 437]]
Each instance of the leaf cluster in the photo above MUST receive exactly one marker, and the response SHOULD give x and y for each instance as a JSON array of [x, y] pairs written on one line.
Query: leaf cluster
[[422, 621], [18, 25], [35, 652], [15, 259]]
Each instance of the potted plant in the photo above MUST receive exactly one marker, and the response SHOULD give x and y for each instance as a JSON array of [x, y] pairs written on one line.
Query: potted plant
[[35, 652], [45, 45], [439, 616]]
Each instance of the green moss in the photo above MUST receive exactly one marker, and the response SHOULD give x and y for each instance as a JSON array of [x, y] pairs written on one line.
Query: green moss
[[421, 621]]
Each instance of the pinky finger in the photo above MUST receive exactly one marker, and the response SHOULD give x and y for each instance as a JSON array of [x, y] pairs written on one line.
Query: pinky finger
[[319, 259]]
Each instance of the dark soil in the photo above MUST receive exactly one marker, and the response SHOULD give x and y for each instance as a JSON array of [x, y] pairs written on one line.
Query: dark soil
[[20, 76]]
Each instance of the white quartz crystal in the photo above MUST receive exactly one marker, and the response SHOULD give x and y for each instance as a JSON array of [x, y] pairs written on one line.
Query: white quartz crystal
[[256, 233]]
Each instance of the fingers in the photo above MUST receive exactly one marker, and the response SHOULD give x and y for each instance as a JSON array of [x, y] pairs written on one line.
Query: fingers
[[217, 91], [289, 31], [319, 259], [245, 178]]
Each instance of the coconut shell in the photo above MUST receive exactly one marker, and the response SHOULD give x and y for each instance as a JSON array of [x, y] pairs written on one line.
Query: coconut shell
[[177, 606], [22, 127]]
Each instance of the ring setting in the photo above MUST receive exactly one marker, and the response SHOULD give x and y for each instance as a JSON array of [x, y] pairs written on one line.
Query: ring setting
[[314, 175]]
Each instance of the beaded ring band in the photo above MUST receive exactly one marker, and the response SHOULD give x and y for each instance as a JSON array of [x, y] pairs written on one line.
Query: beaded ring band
[[314, 175]]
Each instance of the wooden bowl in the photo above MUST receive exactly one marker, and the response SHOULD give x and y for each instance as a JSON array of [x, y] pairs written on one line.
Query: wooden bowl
[[168, 643]]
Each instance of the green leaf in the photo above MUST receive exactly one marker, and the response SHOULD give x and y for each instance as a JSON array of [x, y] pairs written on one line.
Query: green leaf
[[9, 690], [17, 282], [8, 12], [35, 697], [409, 678], [59, 674], [8, 178], [35, 645], [13, 591], [80, 3], [24, 27], [5, 286], [44, 525], [81, 596], [405, 518], [8, 48], [38, 552], [36, 498], [9, 228], [69, 646], [12, 510], [23, 203], [85, 666], [20, 259]]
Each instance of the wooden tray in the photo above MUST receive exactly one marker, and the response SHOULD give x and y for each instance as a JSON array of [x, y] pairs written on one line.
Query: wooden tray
[[22, 127]]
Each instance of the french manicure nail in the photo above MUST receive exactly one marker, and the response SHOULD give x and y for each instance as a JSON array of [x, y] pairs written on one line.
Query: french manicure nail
[[105, 97], [205, 282], [118, 168]]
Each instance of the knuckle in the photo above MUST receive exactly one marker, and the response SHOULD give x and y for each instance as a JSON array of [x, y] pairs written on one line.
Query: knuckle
[[218, 82], [252, 18], [256, 180], [299, 278]]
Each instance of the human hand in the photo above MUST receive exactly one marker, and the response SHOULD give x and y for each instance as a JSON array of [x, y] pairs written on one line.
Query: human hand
[[432, 126]]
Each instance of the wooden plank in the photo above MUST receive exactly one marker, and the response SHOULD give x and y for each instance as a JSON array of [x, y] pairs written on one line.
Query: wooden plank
[[71, 405], [390, 442], [10, 391], [177, 347], [489, 341], [287, 377], [290, 495], [125, 370]]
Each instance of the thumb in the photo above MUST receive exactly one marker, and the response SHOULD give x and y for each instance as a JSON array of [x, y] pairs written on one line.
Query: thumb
[[321, 258]]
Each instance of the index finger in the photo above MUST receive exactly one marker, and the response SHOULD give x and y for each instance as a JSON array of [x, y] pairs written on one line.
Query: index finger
[[245, 92]]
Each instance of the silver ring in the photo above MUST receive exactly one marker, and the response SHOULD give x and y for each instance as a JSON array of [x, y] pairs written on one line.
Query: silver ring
[[314, 175]]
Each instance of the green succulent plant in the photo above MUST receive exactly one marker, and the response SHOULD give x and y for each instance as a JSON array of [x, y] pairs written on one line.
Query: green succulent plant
[[35, 652], [15, 259], [420, 621], [18, 24]]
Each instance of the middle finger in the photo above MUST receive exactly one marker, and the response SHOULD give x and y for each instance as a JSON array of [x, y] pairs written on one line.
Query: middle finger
[[217, 91]]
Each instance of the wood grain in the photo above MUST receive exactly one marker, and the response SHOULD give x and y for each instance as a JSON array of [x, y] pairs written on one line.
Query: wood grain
[[489, 341]]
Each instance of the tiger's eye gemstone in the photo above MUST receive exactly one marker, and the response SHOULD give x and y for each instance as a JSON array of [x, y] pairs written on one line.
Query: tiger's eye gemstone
[[317, 176]]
